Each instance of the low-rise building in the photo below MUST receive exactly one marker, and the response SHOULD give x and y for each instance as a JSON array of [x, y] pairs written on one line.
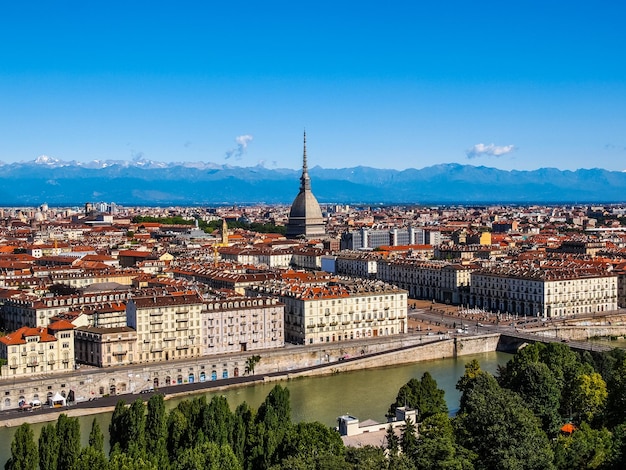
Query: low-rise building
[[105, 347]]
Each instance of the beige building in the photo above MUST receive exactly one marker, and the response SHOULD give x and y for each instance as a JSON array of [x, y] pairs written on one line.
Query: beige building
[[242, 324], [338, 311], [35, 311], [432, 280], [105, 347], [168, 324], [30, 351]]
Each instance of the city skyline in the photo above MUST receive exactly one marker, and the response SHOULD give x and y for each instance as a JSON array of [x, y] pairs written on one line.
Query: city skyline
[[408, 86]]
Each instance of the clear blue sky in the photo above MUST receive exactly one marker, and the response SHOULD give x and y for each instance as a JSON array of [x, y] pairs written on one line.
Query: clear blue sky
[[513, 85]]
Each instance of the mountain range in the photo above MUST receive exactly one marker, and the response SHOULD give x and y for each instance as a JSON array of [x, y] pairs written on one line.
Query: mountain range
[[145, 182]]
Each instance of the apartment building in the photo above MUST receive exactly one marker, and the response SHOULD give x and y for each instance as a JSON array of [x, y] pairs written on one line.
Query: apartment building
[[105, 347], [339, 310], [35, 311], [36, 350], [168, 324], [238, 324], [433, 280], [552, 289]]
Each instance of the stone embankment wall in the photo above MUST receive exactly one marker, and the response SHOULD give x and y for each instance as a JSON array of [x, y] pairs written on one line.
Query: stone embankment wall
[[581, 333], [93, 382], [445, 348]]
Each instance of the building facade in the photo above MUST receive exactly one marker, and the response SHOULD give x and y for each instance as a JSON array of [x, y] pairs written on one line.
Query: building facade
[[168, 325]]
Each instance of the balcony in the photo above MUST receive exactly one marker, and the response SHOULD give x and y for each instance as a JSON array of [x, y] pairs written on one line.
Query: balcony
[[333, 323], [321, 325], [156, 349], [310, 326], [169, 338], [182, 311], [156, 314], [182, 346], [156, 322], [33, 364], [120, 353]]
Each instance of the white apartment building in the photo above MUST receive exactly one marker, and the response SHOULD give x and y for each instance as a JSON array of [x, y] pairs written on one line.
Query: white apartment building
[[432, 280], [168, 325], [345, 310], [551, 290], [242, 324]]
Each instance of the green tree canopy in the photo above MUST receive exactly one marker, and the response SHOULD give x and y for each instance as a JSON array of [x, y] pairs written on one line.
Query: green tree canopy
[[24, 454], [423, 395], [498, 427]]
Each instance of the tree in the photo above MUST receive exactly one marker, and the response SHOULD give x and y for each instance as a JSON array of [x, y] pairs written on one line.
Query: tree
[[122, 461], [156, 430], [24, 454], [118, 427], [311, 441], [68, 432], [272, 422], [498, 426], [251, 364], [91, 459], [209, 456], [366, 458], [423, 395], [177, 425], [437, 448], [589, 396], [537, 386], [585, 448], [48, 447], [616, 397], [243, 419], [136, 430], [392, 441], [617, 459], [408, 441], [96, 438], [217, 421]]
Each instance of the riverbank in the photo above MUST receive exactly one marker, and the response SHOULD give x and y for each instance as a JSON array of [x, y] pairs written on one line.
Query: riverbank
[[407, 352]]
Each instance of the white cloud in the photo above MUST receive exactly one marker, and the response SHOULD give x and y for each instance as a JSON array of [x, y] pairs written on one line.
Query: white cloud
[[242, 145], [491, 150]]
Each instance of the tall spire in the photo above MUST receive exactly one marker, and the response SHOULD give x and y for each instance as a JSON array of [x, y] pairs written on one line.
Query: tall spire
[[304, 166], [305, 181]]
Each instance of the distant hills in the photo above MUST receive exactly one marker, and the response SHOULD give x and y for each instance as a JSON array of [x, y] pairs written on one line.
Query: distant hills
[[144, 182]]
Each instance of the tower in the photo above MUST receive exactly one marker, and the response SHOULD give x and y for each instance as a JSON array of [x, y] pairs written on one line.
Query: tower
[[305, 216]]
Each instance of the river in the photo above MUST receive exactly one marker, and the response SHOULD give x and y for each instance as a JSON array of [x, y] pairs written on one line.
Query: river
[[365, 394]]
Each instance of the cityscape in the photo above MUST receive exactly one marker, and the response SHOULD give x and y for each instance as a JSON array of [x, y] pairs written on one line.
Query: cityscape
[[107, 286], [278, 236]]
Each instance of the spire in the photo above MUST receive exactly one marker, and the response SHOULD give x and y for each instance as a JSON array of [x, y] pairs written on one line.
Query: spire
[[305, 181], [304, 166]]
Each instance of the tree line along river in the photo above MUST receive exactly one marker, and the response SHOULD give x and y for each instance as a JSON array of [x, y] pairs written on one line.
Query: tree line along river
[[365, 394]]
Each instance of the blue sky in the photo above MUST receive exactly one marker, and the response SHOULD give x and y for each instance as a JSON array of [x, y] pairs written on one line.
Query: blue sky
[[512, 85]]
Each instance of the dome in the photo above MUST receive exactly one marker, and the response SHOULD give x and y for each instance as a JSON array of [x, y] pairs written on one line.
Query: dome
[[305, 216]]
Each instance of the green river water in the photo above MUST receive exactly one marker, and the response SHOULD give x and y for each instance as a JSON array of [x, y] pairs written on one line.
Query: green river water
[[365, 394]]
